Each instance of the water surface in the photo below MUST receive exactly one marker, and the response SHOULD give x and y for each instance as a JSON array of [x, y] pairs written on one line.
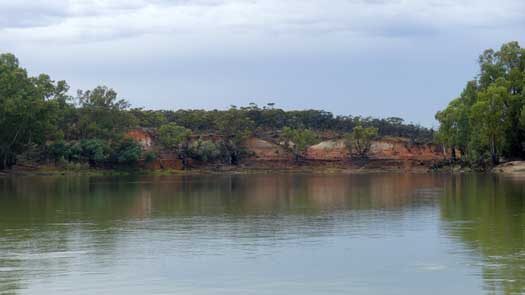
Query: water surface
[[263, 234]]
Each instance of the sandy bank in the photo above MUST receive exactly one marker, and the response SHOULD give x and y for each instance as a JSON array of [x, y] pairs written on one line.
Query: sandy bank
[[514, 167]]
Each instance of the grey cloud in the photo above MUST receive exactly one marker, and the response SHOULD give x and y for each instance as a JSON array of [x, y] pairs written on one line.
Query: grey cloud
[[88, 21], [405, 28], [301, 53], [23, 14], [196, 27], [38, 13]]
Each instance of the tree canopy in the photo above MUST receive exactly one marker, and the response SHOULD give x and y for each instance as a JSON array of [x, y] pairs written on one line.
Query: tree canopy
[[298, 140], [40, 120], [30, 109], [359, 140], [487, 121]]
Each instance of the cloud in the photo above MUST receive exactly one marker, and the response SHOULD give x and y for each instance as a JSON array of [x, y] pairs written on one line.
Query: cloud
[[89, 21], [358, 56], [28, 14], [39, 13]]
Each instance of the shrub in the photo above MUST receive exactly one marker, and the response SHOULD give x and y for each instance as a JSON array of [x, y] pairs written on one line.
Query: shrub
[[95, 151], [205, 150], [127, 151], [149, 156]]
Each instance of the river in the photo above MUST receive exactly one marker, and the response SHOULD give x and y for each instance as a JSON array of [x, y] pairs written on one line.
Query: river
[[263, 234]]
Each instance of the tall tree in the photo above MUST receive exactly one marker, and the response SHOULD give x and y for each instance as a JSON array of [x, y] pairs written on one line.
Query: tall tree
[[28, 109], [359, 141], [102, 114], [487, 120], [176, 138], [489, 117], [235, 127], [298, 140]]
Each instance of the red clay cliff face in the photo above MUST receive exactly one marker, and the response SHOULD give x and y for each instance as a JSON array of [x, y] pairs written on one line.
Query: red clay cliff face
[[388, 152], [142, 137], [384, 149], [402, 149], [263, 150], [330, 150], [164, 160]]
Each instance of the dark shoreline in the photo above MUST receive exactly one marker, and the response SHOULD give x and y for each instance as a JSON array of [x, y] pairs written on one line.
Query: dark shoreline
[[269, 167], [224, 171]]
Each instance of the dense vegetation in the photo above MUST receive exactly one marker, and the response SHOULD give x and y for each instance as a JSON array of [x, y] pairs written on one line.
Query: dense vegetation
[[360, 140], [41, 122], [486, 123]]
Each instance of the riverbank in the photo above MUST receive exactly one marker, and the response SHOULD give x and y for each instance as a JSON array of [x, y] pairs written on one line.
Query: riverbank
[[315, 168], [513, 167], [269, 167]]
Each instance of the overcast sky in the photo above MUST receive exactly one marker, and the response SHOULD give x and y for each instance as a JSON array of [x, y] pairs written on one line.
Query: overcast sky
[[381, 58]]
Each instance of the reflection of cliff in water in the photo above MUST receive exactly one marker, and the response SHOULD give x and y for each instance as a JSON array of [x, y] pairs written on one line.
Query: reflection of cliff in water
[[45, 221], [101, 200], [487, 214]]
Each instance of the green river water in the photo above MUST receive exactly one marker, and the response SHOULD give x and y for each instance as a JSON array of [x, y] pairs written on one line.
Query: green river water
[[263, 234]]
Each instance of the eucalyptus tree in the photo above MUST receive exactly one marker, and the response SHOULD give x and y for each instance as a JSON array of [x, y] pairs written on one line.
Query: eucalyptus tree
[[235, 127], [29, 109], [359, 141], [176, 138], [298, 141], [487, 121]]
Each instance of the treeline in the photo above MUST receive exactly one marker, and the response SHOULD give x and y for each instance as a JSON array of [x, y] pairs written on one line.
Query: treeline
[[271, 118], [486, 123], [40, 121]]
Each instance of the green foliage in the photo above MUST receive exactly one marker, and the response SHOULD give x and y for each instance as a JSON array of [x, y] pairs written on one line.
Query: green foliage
[[176, 138], [487, 120], [271, 118], [235, 127], [150, 156], [490, 119], [58, 150], [455, 128], [74, 152], [149, 119], [29, 109], [173, 136], [72, 166], [102, 114], [95, 151], [360, 140], [298, 140], [127, 151], [38, 114], [205, 150], [103, 98]]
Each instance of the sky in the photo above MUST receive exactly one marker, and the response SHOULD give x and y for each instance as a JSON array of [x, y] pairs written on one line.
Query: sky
[[381, 58]]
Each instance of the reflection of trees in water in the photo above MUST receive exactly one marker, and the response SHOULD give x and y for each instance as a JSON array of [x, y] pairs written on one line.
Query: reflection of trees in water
[[245, 195], [46, 223], [487, 213]]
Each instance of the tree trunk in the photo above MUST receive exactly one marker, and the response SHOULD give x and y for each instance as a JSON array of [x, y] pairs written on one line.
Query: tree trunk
[[493, 151], [233, 158], [184, 161]]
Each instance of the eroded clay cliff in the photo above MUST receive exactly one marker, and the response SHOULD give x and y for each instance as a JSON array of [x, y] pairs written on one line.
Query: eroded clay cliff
[[388, 153]]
